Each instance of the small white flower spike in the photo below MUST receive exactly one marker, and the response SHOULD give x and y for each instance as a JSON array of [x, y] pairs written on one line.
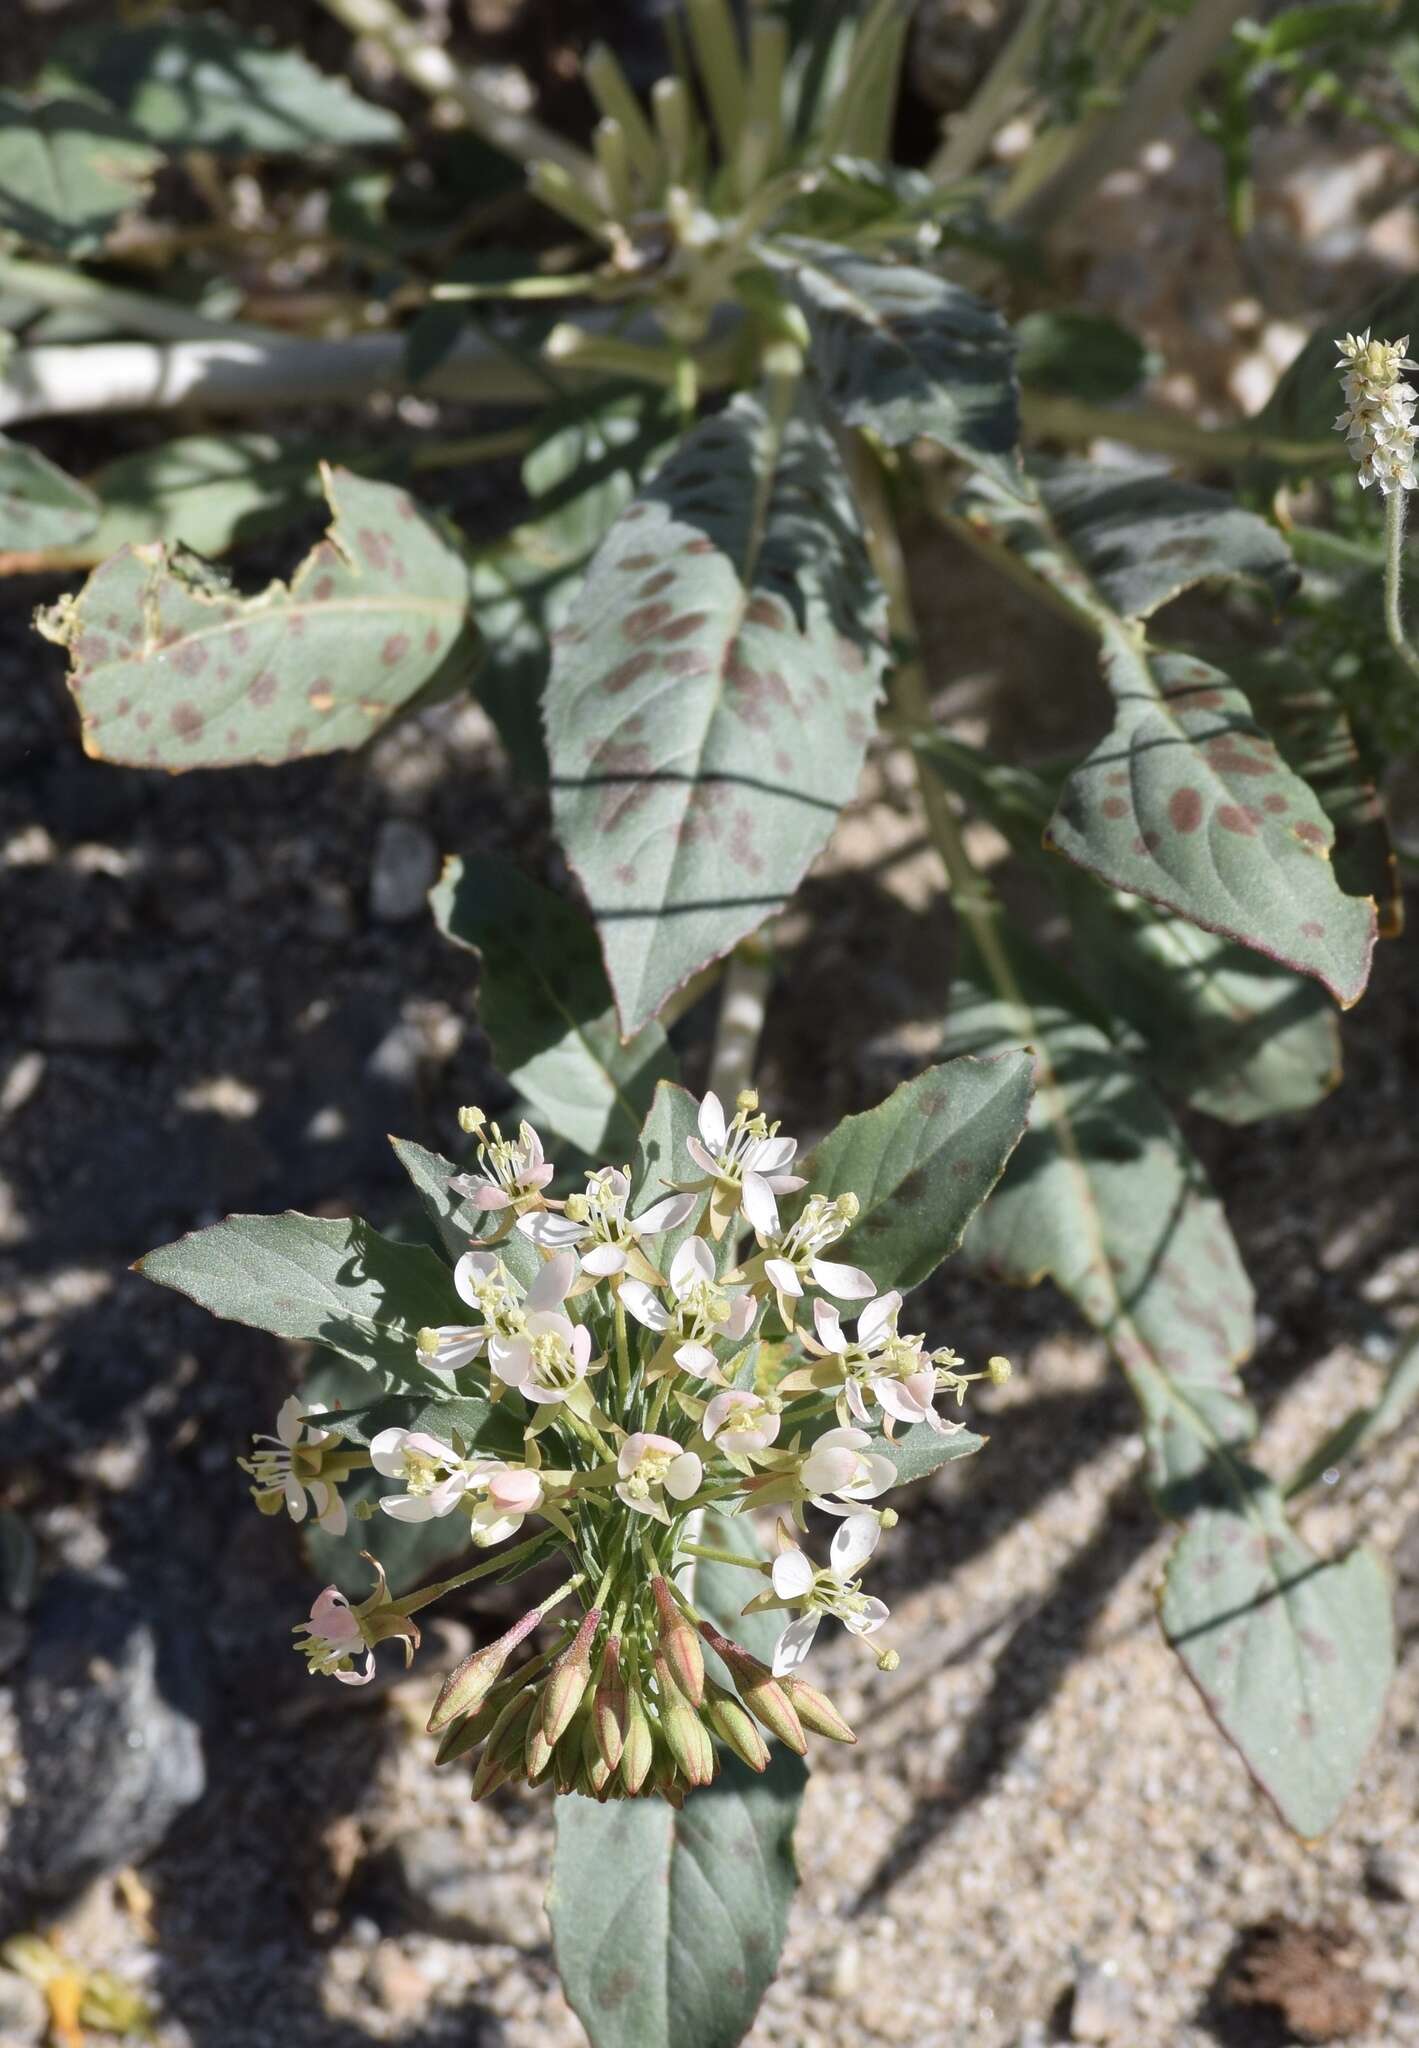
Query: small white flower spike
[[1378, 420]]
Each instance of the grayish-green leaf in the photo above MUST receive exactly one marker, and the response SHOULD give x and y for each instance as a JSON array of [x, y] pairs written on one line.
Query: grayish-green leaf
[[712, 695], [1367, 1424], [907, 354], [456, 1222], [318, 1279], [1292, 1655], [922, 1450], [1081, 355], [68, 169], [468, 1419], [661, 1161], [205, 491], [173, 668], [922, 1162], [40, 507], [200, 83], [546, 1006]]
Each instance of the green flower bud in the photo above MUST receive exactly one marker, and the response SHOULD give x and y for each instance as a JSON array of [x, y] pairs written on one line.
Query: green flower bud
[[678, 1644], [816, 1711], [733, 1727], [637, 1754]]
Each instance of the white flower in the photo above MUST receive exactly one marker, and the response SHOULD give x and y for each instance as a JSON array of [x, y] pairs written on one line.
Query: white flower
[[794, 1256], [1378, 420], [745, 1161], [334, 1639], [435, 1477], [291, 1468], [509, 1170], [650, 1467], [840, 1464], [797, 1583], [484, 1282], [891, 1369], [741, 1420], [702, 1310], [548, 1360], [596, 1227], [510, 1492]]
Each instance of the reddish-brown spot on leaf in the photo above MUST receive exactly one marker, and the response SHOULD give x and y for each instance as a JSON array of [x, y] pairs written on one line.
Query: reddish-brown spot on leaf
[[241, 639], [394, 649], [1312, 834], [741, 847], [122, 708], [1275, 802], [1313, 929], [767, 611], [625, 874], [374, 547], [635, 563], [653, 585], [783, 761], [686, 661], [186, 721], [627, 672], [645, 620], [143, 720], [190, 660], [701, 545], [1119, 778], [322, 588], [91, 649], [857, 728], [633, 512], [295, 625], [1115, 807], [851, 655], [431, 640], [262, 688], [684, 626], [1185, 809], [297, 740], [623, 768]]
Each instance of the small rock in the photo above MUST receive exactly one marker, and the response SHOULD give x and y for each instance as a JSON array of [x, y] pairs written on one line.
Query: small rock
[[24, 2010], [396, 1983], [405, 865], [1102, 2009], [113, 1750], [1392, 1875], [85, 1003], [1308, 1976], [447, 1892]]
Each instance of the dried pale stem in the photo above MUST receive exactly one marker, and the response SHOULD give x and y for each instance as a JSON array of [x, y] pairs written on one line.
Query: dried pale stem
[[1395, 506], [970, 133], [1166, 433], [742, 1004]]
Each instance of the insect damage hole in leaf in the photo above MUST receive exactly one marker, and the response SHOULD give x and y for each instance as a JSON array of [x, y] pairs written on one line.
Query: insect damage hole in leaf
[[172, 668]]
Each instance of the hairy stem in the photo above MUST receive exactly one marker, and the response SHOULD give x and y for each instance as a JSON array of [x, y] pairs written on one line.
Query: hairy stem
[[1395, 506]]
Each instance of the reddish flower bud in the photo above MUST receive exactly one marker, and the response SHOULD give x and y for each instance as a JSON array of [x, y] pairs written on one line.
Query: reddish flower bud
[[679, 1644], [467, 1687], [759, 1690], [728, 1720], [637, 1754], [816, 1711], [687, 1741], [608, 1710]]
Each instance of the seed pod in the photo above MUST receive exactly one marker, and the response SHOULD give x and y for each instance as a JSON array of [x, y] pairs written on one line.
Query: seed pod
[[679, 1644], [561, 1695], [465, 1689], [637, 1754], [608, 1710], [728, 1720], [688, 1742], [816, 1711], [759, 1690]]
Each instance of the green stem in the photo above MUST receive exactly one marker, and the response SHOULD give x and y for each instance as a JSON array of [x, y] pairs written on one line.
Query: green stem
[[159, 319], [623, 1354], [1395, 507], [1166, 433], [712, 1555], [969, 133], [412, 1602]]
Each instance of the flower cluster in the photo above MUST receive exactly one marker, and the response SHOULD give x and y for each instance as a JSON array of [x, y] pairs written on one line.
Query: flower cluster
[[1378, 420], [645, 1366]]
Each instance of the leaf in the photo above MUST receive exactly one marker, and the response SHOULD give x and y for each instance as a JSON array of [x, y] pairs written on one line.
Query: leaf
[[478, 1424], [1221, 1028], [318, 1279], [661, 1160], [1188, 803], [207, 491], [68, 169], [579, 475], [1367, 1424], [667, 1927], [40, 507], [455, 1220], [906, 354], [1079, 355], [922, 1162], [1126, 540], [1292, 1655], [545, 1004], [1103, 1197], [200, 83], [712, 695], [172, 668], [921, 1450]]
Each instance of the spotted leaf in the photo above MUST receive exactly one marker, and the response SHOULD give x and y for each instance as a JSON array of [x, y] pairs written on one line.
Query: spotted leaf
[[40, 507], [907, 354], [173, 668], [712, 695], [1292, 1654]]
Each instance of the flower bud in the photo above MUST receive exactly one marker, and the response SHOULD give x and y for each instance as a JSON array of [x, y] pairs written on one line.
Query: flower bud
[[567, 1754], [759, 1690], [816, 1711], [687, 1741], [595, 1771], [636, 1756], [561, 1696], [466, 1688], [608, 1709], [678, 1644], [502, 1758], [728, 1721]]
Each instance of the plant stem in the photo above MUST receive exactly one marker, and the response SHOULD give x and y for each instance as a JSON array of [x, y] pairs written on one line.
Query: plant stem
[[713, 1556], [1167, 433], [623, 1353], [1395, 507], [412, 1602], [969, 133], [742, 1003], [162, 319], [429, 67]]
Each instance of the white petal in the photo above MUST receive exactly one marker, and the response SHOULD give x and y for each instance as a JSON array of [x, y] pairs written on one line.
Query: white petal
[[295, 1498], [603, 1260], [511, 1359], [880, 1477], [848, 1283], [784, 1278], [760, 1206], [772, 1155], [719, 1409], [666, 1215], [549, 1230], [845, 1439], [358, 1677], [684, 1476], [868, 1619], [852, 1393], [335, 1519], [697, 1359], [288, 1421], [644, 1304], [828, 1323], [854, 1544], [692, 1266], [792, 1575], [706, 1161], [537, 1176], [479, 1265], [409, 1507], [387, 1452], [900, 1402], [549, 1289], [631, 1453], [794, 1644], [827, 1468], [713, 1128], [876, 1319], [740, 1320]]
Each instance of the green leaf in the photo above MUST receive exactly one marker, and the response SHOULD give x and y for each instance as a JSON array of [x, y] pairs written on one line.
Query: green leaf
[[40, 507], [207, 491], [1187, 802], [1292, 1655], [905, 353], [456, 1222], [712, 695], [922, 1162], [667, 1926], [721, 1590], [922, 1450], [1221, 1028], [173, 668], [660, 1160], [318, 1279], [1079, 355], [67, 171], [545, 1004], [1367, 1424], [1103, 1197], [478, 1424], [199, 83]]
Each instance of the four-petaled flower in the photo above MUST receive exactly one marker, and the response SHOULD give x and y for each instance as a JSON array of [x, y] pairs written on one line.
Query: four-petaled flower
[[741, 1421], [510, 1171], [702, 1310], [548, 1358], [484, 1282], [336, 1632], [596, 1227], [799, 1584], [745, 1162], [841, 1471], [291, 1468], [794, 1256], [649, 1467], [883, 1366]]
